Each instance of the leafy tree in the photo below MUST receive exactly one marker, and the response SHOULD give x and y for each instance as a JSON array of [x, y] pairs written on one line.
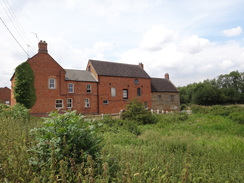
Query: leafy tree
[[227, 88], [24, 90]]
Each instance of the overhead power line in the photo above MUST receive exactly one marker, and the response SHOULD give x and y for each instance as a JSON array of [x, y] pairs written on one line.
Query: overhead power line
[[10, 13], [14, 37]]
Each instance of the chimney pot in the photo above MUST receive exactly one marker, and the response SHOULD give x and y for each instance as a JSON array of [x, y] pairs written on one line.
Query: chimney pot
[[42, 47]]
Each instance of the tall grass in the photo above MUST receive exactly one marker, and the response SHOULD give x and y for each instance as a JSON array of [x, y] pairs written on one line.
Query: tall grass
[[178, 148]]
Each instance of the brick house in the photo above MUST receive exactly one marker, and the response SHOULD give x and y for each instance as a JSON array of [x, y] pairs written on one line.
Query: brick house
[[5, 95], [104, 87], [119, 83]]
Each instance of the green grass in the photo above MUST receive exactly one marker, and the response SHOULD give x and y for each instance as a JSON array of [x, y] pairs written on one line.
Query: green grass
[[178, 148]]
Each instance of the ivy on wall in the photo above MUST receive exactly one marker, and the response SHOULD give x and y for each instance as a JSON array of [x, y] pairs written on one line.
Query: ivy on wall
[[24, 90]]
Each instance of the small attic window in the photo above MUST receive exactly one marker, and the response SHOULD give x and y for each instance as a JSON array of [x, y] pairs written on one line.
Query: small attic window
[[89, 68]]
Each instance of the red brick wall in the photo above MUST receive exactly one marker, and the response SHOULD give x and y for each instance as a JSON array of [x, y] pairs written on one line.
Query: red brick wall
[[45, 67], [79, 96], [117, 103], [5, 95]]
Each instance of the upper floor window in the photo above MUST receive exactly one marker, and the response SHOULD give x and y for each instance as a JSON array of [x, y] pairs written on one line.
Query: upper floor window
[[69, 103], [138, 92], [87, 102], [125, 94], [113, 92], [136, 81], [59, 103], [88, 88], [52, 83], [172, 98], [71, 87]]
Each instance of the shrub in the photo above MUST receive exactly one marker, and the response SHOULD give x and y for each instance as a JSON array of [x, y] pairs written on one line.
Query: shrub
[[136, 111], [237, 117], [66, 137]]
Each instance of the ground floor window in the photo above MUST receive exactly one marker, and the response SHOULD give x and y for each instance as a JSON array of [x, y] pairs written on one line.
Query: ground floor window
[[59, 103], [87, 102], [69, 103]]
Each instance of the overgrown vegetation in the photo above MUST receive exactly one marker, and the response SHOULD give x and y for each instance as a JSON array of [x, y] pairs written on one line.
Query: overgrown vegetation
[[225, 89], [24, 90], [136, 112], [206, 146]]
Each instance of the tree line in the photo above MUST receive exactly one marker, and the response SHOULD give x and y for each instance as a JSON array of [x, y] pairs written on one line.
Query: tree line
[[225, 89]]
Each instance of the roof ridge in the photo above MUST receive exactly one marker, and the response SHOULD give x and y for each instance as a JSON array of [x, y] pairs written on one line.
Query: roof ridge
[[113, 62]]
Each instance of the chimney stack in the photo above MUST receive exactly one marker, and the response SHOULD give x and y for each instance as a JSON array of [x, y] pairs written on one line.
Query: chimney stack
[[166, 76], [42, 47], [141, 65]]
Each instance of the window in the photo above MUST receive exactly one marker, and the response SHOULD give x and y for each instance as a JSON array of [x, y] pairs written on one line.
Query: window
[[69, 103], [136, 81], [138, 92], [113, 92], [88, 88], [71, 87], [105, 101], [59, 103], [87, 102], [7, 102], [172, 97], [52, 83], [125, 94]]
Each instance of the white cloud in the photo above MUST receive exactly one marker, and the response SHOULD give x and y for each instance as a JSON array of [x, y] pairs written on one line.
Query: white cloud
[[233, 32], [188, 59], [157, 37]]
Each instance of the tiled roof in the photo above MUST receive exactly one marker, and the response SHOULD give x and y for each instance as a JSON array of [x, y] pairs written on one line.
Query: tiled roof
[[79, 75], [162, 85], [104, 68]]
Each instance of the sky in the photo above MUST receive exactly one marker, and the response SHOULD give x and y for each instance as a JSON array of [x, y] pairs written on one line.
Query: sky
[[191, 40]]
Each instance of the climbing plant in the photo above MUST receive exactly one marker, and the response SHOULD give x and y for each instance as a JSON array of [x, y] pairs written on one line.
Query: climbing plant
[[24, 90]]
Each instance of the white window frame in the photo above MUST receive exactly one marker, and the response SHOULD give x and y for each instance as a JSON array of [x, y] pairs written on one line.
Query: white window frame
[[69, 103], [52, 85], [105, 102], [56, 103], [113, 92], [125, 93], [71, 87], [87, 102], [88, 88]]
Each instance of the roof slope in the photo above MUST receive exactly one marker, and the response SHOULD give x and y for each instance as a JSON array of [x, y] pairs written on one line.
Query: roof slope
[[104, 68], [162, 85], [79, 75]]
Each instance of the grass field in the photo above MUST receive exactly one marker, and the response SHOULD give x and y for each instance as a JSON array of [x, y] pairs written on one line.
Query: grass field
[[201, 147]]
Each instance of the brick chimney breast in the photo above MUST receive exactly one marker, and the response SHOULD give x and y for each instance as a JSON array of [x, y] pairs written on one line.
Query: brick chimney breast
[[42, 47], [166, 76], [141, 65]]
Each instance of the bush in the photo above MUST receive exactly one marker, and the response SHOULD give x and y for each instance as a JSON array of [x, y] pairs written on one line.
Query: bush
[[237, 117], [64, 137], [136, 111]]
